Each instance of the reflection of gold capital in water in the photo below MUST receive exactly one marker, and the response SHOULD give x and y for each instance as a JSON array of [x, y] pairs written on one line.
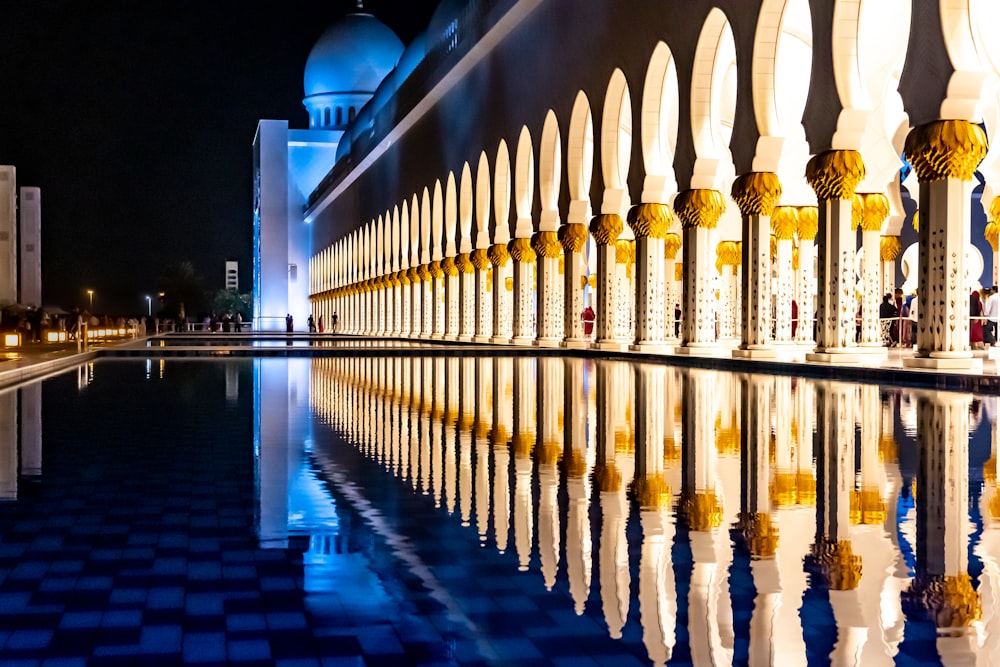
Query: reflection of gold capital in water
[[805, 488], [783, 490], [950, 600], [467, 422], [836, 563], [523, 443], [702, 510], [756, 193], [835, 174], [652, 492], [499, 435], [759, 534], [990, 469], [606, 228], [699, 208], [727, 439], [576, 464], [867, 507], [607, 477], [993, 504], [650, 220], [550, 452], [623, 443], [946, 149], [671, 450], [888, 450], [483, 429]]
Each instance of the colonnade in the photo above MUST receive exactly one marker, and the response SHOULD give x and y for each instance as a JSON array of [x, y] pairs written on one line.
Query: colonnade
[[713, 464]]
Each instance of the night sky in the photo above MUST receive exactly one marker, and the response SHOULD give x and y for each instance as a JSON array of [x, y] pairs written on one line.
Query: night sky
[[136, 118]]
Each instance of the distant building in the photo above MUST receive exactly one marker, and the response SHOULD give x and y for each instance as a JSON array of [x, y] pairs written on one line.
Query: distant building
[[8, 234], [31, 246], [232, 276]]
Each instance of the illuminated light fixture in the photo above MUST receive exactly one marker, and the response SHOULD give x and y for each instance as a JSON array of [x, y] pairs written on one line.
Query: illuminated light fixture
[[52, 337], [12, 339]]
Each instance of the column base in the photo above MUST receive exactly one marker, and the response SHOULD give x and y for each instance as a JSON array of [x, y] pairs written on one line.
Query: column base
[[755, 352], [945, 363], [522, 340], [450, 337], [547, 342], [481, 339], [652, 347], [466, 338], [609, 345], [436, 336], [500, 340], [873, 351], [575, 343], [835, 355], [703, 350]]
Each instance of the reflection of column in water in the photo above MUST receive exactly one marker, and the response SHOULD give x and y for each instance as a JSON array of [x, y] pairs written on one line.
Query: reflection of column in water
[[988, 548], [394, 414], [727, 395], [450, 435], [523, 443], [832, 558], [701, 509], [466, 424], [578, 467], [437, 430], [612, 477], [942, 590], [550, 393], [8, 445], [755, 529], [657, 594], [425, 415], [484, 421], [416, 424], [31, 428], [232, 382], [893, 621], [877, 590], [672, 428], [503, 396]]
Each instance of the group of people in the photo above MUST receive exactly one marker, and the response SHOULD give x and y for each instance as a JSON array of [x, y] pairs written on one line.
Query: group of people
[[897, 310], [984, 312], [313, 325]]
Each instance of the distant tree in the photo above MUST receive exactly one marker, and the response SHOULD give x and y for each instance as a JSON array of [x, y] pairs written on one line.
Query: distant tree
[[232, 302], [182, 286]]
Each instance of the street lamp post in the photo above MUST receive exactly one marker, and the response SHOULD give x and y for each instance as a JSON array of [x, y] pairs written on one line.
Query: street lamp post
[[90, 293]]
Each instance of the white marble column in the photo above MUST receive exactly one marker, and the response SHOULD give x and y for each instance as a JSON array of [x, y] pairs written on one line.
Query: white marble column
[[605, 229], [871, 210], [437, 309], [650, 223], [502, 311], [699, 212], [672, 295], [466, 297], [834, 175], [549, 309], [524, 291], [573, 238], [484, 298], [784, 223], [451, 297], [625, 292], [945, 213]]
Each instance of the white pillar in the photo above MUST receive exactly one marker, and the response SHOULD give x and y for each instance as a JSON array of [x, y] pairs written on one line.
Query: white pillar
[[650, 223], [549, 308], [699, 211], [524, 291], [573, 238]]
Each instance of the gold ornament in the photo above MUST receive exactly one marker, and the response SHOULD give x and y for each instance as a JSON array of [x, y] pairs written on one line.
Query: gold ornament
[[520, 250], [546, 244], [785, 222], [759, 534], [480, 259], [435, 269], [607, 477], [499, 254], [624, 251], [949, 600], [671, 244], [678, 272], [699, 208], [464, 263], [916, 221], [573, 237], [992, 233], [606, 228], [946, 149], [652, 492], [448, 266], [702, 510], [756, 193], [835, 174], [870, 210], [414, 273], [650, 220], [403, 277], [888, 248], [425, 272], [808, 222], [835, 561]]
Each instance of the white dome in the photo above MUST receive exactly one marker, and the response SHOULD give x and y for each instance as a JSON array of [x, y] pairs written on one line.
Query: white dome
[[352, 56]]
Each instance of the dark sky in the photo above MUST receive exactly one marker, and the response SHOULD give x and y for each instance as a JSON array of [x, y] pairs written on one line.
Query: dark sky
[[136, 117]]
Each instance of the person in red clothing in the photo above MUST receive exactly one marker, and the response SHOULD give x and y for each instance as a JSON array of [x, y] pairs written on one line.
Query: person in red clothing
[[588, 316]]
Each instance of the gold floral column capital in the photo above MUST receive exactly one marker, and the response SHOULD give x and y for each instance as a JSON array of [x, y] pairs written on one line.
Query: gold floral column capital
[[785, 222], [650, 220], [480, 259], [671, 244], [888, 248], [464, 263], [727, 253], [435, 269], [425, 272], [835, 174], [449, 267], [870, 210], [624, 251], [414, 273], [546, 244], [573, 237], [606, 228], [403, 277], [521, 251], [756, 193], [498, 254], [946, 149], [699, 208], [808, 225], [992, 231]]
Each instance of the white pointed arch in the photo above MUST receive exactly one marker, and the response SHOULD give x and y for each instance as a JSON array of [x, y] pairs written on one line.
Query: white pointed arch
[[616, 144], [501, 194], [437, 222], [524, 184], [713, 98], [415, 237], [549, 173], [395, 248], [387, 246], [405, 236], [660, 111], [465, 207], [483, 202], [425, 228], [378, 247], [580, 160], [450, 215]]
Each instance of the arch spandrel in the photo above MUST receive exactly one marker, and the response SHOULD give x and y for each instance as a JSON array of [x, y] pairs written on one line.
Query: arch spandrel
[[465, 207], [482, 207], [549, 173], [524, 184], [580, 160]]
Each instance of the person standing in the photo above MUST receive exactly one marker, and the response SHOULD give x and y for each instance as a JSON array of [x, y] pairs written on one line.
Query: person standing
[[991, 311], [886, 314], [289, 323], [975, 321], [333, 328], [311, 323]]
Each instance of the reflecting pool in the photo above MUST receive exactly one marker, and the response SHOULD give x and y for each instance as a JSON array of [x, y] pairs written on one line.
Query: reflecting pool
[[432, 510]]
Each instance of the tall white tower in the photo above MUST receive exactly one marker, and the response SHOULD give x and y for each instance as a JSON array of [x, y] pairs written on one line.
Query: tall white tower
[[31, 247], [8, 235]]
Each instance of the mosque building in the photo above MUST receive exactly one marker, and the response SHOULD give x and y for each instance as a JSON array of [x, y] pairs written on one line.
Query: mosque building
[[766, 170]]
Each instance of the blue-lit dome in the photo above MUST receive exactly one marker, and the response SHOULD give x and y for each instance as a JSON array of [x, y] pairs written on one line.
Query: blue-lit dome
[[345, 68], [352, 56]]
